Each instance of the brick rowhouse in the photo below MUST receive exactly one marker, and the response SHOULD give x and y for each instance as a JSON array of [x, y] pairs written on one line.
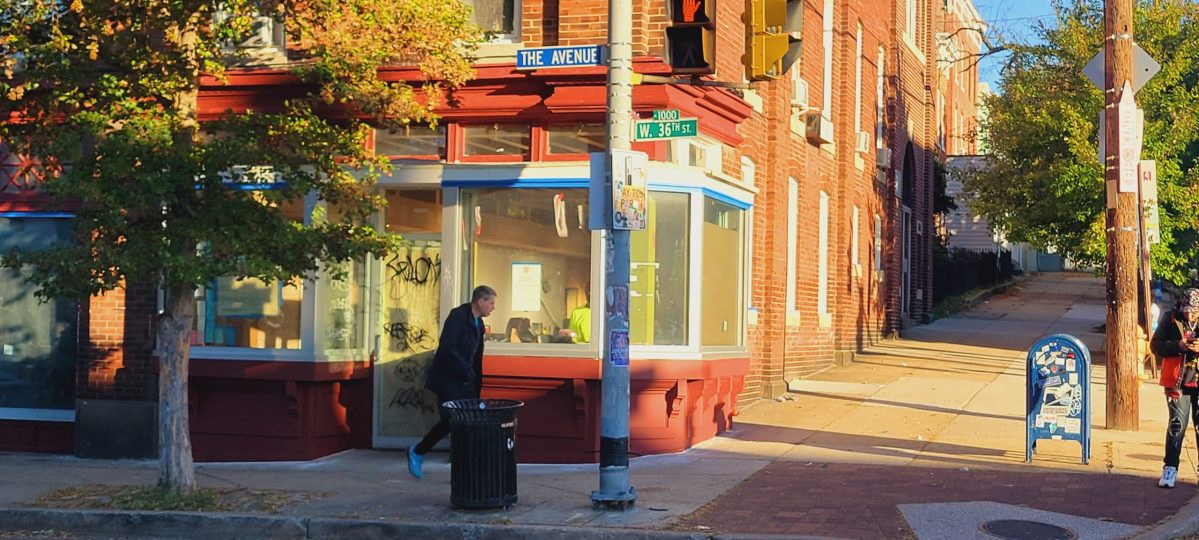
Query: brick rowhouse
[[861, 160]]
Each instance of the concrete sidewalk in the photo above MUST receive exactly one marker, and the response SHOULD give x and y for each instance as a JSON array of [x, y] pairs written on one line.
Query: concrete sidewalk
[[920, 437]]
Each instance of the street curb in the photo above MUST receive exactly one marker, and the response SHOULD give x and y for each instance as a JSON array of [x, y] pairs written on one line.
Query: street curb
[[184, 525], [1182, 523]]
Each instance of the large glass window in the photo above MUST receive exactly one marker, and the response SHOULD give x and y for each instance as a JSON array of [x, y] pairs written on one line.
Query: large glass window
[[413, 211], [576, 138], [658, 273], [37, 340], [343, 305], [251, 313], [495, 16], [411, 141], [497, 140], [723, 290], [534, 248]]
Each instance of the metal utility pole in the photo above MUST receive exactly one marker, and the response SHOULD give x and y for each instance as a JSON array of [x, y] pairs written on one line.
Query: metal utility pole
[[1122, 362], [614, 490]]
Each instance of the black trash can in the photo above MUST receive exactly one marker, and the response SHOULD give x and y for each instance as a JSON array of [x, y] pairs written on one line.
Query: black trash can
[[482, 452]]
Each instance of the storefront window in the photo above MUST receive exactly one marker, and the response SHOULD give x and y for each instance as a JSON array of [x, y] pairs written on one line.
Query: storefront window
[[658, 273], [576, 138], [413, 211], [534, 248], [251, 313], [343, 305], [411, 141], [37, 340], [497, 140], [723, 266]]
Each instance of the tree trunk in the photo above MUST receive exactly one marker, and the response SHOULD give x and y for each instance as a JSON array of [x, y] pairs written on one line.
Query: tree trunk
[[177, 472]]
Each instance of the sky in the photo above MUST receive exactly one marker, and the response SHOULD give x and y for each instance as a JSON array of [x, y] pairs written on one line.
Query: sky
[[1016, 20]]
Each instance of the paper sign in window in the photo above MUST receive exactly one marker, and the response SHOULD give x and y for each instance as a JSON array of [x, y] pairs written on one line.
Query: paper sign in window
[[526, 286]]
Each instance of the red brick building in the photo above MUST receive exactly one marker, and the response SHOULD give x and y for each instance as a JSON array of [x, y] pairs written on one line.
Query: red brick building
[[792, 232]]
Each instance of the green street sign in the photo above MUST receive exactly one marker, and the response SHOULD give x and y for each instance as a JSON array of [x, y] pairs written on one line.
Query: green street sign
[[656, 130], [666, 114]]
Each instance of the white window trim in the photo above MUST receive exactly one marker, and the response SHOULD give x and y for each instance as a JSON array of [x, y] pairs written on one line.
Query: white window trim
[[880, 93], [309, 352], [822, 267], [853, 242], [792, 241], [878, 246], [826, 99], [857, 81], [747, 171]]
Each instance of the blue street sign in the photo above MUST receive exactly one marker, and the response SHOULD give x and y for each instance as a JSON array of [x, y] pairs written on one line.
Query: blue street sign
[[560, 57]]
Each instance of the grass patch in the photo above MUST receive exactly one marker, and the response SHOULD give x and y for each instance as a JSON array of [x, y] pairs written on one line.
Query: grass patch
[[158, 499], [953, 304]]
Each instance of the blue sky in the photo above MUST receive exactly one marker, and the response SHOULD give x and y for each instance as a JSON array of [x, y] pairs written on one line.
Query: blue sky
[[1015, 19]]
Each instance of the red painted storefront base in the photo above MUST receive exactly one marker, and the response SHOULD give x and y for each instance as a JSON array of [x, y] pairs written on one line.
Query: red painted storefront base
[[295, 411], [278, 411], [673, 404], [37, 436]]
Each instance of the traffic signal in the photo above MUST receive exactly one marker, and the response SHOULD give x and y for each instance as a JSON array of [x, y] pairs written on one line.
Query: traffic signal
[[691, 37], [772, 37]]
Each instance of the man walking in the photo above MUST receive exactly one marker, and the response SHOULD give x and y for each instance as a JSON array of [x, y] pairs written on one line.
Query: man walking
[[457, 368]]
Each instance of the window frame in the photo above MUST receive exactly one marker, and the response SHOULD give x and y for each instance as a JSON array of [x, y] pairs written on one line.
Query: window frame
[[445, 129], [35, 413], [792, 304], [515, 35], [542, 131], [459, 144], [310, 350]]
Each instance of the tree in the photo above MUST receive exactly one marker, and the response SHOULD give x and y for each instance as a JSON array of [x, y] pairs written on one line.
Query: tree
[[1043, 183], [103, 94]]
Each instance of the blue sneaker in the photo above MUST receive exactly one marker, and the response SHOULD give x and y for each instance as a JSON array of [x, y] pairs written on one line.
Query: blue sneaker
[[415, 462]]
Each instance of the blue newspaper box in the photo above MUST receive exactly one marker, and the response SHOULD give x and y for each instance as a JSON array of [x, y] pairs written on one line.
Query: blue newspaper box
[[1058, 393]]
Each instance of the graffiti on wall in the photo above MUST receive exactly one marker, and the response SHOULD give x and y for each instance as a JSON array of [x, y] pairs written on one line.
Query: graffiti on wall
[[411, 322], [424, 270]]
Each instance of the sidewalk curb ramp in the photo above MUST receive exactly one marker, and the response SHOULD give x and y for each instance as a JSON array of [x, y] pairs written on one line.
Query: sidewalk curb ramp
[[1184, 522], [183, 525]]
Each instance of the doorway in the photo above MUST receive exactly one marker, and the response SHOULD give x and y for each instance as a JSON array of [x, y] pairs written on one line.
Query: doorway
[[408, 311], [905, 288]]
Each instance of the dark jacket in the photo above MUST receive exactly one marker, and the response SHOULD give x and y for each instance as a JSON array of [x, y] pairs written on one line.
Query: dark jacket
[[1165, 345], [457, 368]]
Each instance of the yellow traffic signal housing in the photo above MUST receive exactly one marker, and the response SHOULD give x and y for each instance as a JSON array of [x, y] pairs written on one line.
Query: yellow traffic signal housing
[[772, 37], [691, 37]]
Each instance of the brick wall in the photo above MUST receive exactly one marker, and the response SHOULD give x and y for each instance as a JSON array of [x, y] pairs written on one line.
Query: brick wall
[[116, 361]]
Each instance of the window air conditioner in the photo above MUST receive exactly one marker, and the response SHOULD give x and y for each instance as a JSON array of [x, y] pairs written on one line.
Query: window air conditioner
[[799, 93], [862, 142], [818, 129], [882, 157], [266, 33]]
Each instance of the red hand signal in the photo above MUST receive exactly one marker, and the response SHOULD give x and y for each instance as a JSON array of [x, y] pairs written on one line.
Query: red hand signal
[[689, 9]]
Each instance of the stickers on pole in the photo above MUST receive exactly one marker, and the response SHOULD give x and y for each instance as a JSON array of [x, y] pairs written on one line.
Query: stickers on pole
[[619, 346], [629, 206], [1058, 393]]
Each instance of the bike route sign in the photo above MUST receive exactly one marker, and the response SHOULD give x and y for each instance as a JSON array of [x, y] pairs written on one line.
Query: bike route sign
[[1058, 393]]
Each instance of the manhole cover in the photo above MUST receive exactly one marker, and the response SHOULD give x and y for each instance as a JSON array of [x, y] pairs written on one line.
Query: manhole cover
[[1019, 529]]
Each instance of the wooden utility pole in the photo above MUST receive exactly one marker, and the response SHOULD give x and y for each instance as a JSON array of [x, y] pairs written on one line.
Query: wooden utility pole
[[1123, 375]]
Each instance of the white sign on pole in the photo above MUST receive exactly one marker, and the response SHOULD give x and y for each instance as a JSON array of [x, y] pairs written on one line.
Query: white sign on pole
[[1128, 143], [1144, 67], [1148, 174], [629, 198]]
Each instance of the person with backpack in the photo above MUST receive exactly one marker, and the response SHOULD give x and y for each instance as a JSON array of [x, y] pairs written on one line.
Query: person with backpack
[[1175, 341]]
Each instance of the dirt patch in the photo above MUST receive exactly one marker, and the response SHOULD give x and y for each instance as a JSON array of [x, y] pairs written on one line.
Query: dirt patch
[[102, 497]]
